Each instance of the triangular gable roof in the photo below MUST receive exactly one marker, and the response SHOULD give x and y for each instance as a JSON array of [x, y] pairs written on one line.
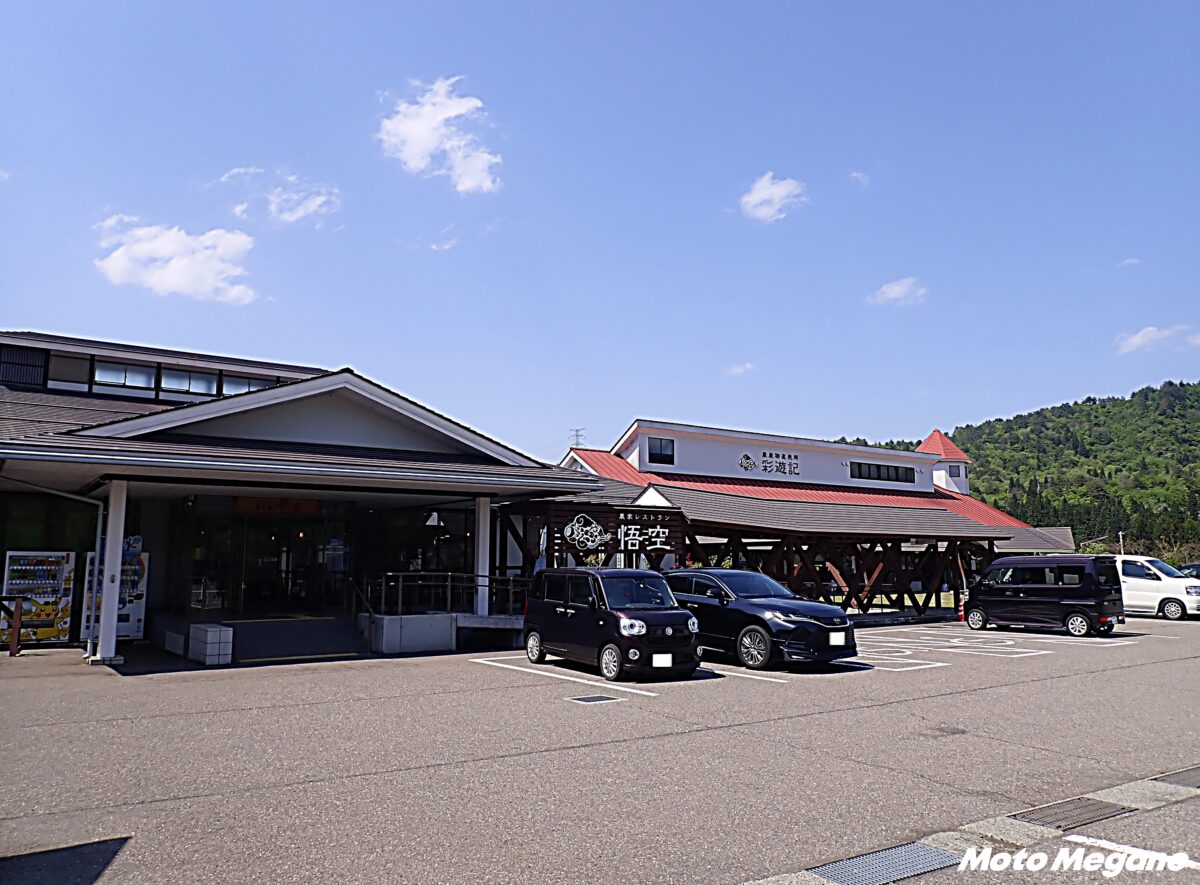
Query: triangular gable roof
[[937, 443], [178, 419]]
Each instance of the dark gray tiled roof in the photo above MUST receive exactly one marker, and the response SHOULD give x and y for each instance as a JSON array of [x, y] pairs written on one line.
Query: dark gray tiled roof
[[818, 518], [1044, 540], [611, 491], [308, 461], [25, 412], [48, 340]]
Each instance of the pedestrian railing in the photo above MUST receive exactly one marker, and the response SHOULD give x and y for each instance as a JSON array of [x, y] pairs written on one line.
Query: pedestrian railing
[[12, 614], [416, 593]]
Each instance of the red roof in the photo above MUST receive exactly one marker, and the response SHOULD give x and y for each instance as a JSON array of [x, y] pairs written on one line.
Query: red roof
[[937, 443], [611, 466]]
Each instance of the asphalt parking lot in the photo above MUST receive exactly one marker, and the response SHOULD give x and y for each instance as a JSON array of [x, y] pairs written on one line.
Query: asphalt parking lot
[[473, 767]]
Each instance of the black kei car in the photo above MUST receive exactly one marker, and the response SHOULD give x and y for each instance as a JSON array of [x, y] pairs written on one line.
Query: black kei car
[[623, 620], [1081, 594], [749, 615]]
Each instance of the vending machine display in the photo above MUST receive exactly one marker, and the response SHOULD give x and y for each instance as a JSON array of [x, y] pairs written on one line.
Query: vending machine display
[[131, 597], [46, 580]]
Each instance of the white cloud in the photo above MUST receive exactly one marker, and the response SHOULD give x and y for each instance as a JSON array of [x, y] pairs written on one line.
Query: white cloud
[[1194, 339], [117, 220], [426, 136], [241, 210], [445, 245], [1131, 261], [170, 261], [1146, 338], [769, 197], [5, 175], [862, 179], [296, 199], [237, 172], [738, 369], [898, 293]]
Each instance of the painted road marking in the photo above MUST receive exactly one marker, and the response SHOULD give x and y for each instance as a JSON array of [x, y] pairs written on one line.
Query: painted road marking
[[987, 650], [605, 685], [727, 672]]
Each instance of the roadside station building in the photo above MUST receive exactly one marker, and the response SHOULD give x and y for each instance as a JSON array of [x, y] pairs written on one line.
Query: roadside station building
[[242, 492], [319, 513], [855, 525]]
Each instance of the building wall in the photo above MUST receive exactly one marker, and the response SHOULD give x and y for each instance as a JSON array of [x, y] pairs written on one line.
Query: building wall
[[789, 462], [330, 419], [960, 483]]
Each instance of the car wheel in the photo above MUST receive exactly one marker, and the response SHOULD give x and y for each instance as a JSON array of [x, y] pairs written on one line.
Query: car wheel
[[754, 648], [1078, 625], [976, 619], [533, 648], [610, 663], [1173, 610], [1106, 629]]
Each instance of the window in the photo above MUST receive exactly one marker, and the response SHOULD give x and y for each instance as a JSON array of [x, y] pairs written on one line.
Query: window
[[1134, 570], [955, 470], [884, 472], [232, 384], [580, 588], [23, 365], [662, 451], [1072, 575], [181, 381], [1001, 576], [125, 375], [1106, 574], [1035, 574], [68, 372], [679, 583], [556, 588], [1169, 570], [638, 593], [538, 590]]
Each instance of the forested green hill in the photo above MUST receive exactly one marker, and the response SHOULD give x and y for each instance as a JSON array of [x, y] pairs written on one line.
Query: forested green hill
[[1128, 464]]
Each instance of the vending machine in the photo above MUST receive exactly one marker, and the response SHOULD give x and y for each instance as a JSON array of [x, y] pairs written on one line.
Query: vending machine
[[131, 596], [46, 579]]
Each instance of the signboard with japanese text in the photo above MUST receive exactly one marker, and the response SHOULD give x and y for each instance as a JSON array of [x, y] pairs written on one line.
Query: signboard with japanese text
[[596, 533]]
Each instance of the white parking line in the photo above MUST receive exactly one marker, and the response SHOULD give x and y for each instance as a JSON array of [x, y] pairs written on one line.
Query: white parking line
[[604, 685], [724, 672]]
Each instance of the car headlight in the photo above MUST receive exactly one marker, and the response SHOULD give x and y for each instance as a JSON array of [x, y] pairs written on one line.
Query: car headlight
[[693, 625], [785, 617], [632, 627], [1193, 590]]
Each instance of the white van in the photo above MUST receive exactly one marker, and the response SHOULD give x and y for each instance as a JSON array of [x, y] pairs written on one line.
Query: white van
[[1152, 587]]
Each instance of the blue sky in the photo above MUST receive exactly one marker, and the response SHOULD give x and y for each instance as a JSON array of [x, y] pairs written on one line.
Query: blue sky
[[859, 219]]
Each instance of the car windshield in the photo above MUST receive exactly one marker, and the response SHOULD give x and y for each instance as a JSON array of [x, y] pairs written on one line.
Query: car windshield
[[1169, 570], [637, 592], [753, 585]]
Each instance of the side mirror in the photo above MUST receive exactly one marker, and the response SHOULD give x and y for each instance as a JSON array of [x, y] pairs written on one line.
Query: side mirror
[[592, 601], [1153, 576], [714, 593]]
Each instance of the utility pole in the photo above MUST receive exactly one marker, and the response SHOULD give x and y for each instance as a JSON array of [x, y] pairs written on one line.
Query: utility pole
[[577, 435], [1121, 540]]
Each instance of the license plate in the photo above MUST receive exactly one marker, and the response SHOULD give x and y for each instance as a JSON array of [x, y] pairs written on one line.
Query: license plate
[[660, 661], [837, 638]]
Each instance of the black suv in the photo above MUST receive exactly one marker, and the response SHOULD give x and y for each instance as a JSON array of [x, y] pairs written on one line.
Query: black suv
[[624, 620], [760, 620], [1081, 594]]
